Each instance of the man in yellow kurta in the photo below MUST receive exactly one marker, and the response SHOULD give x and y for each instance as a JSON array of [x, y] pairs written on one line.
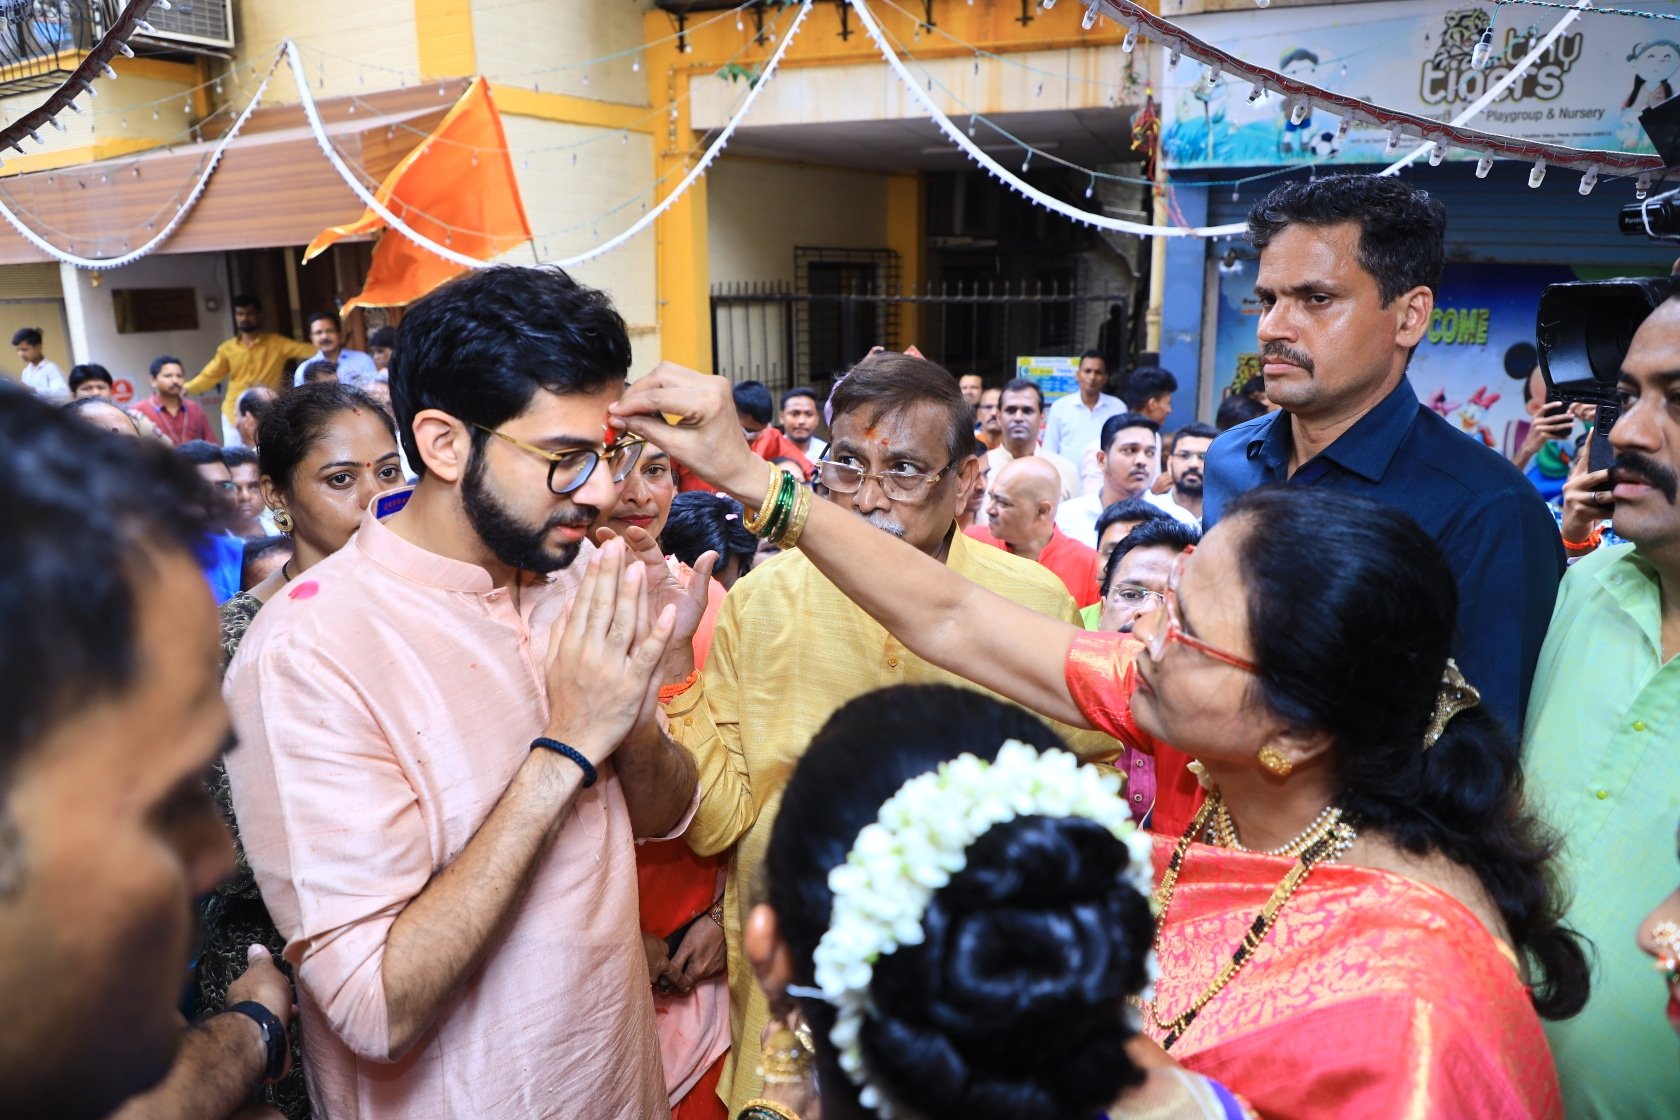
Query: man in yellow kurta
[[789, 648], [250, 358]]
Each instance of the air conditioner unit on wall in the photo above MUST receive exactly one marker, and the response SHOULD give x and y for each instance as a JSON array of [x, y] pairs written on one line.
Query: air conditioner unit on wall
[[202, 24]]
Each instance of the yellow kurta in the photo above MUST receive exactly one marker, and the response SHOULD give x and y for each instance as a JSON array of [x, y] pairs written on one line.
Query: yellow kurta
[[261, 363], [788, 651]]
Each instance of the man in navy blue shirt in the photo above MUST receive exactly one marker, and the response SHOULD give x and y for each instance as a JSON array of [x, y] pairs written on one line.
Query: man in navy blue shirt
[[1348, 270]]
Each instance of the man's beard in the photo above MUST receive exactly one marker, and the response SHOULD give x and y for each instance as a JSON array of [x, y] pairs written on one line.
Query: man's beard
[[1190, 485], [512, 541]]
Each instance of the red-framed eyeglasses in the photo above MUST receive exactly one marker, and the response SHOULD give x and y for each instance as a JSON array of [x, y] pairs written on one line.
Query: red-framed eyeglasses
[[1168, 627]]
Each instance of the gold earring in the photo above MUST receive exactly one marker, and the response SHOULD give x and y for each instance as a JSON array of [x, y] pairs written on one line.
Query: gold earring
[[1274, 762], [283, 521]]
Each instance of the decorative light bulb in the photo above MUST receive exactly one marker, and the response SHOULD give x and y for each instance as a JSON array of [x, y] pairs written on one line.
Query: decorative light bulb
[[1130, 41], [1048, 4], [1483, 166], [1484, 50], [1341, 135], [1393, 140], [636, 63], [1090, 19], [1091, 186], [1642, 186], [1256, 92], [1589, 180], [1538, 174], [1300, 111], [1437, 154], [1214, 70], [1262, 3], [971, 127], [1173, 56], [1026, 162]]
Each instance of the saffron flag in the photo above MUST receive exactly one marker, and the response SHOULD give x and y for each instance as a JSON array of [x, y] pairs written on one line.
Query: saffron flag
[[456, 187]]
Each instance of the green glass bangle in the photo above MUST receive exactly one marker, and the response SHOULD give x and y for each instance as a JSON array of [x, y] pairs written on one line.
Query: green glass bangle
[[778, 505], [784, 508]]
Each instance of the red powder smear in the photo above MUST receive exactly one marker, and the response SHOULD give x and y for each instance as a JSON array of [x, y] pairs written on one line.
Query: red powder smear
[[305, 590]]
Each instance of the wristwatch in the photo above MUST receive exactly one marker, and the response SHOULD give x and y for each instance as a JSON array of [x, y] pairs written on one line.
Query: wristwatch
[[273, 1036]]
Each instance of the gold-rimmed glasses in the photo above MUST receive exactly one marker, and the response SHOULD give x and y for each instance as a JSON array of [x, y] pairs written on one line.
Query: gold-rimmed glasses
[[571, 467], [900, 486]]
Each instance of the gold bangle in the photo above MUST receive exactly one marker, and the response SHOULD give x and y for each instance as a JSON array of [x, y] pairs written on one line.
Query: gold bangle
[[761, 1109], [796, 523], [756, 522]]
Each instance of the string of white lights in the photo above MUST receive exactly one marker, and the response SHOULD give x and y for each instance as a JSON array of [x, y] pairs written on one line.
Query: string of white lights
[[395, 223], [984, 159], [712, 152], [175, 220], [1056, 205]]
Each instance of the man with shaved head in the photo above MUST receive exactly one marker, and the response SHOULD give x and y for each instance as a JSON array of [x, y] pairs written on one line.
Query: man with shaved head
[[1021, 519], [789, 648]]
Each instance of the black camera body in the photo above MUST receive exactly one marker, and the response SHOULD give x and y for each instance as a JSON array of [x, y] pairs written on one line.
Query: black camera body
[[1584, 330]]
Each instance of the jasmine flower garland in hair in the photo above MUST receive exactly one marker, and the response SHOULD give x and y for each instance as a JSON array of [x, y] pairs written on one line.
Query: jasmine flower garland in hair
[[919, 841]]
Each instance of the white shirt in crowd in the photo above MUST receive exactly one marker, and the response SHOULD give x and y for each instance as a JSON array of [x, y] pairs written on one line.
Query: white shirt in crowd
[[46, 381], [1165, 503], [1070, 426], [355, 368], [999, 457], [1078, 518]]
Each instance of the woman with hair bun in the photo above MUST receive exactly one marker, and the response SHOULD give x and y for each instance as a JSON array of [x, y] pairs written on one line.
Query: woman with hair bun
[[960, 912]]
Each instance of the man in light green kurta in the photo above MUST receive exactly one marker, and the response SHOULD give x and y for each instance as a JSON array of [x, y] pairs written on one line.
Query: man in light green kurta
[[1603, 749]]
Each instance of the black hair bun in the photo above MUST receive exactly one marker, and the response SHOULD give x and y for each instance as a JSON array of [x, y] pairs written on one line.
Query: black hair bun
[[1013, 1006]]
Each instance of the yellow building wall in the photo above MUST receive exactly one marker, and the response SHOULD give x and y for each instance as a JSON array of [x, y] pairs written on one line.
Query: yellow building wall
[[346, 47], [145, 107], [758, 212]]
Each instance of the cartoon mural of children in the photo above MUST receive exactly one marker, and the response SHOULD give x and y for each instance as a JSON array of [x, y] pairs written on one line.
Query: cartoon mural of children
[[1302, 65], [1654, 64]]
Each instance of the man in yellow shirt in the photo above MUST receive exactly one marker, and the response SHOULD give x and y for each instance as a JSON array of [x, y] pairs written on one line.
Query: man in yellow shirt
[[789, 648], [252, 357]]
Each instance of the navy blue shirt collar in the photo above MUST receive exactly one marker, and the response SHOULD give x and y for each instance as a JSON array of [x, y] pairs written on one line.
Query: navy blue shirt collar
[[1364, 449]]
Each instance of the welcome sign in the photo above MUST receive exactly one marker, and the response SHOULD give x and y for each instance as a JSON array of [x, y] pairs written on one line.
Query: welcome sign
[[1586, 91]]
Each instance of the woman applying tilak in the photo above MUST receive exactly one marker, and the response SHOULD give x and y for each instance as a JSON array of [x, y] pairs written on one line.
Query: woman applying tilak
[[1357, 921]]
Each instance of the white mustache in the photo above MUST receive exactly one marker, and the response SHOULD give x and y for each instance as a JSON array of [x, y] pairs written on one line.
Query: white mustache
[[885, 524]]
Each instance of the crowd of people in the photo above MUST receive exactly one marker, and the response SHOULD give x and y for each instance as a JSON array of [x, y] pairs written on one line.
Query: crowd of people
[[569, 745]]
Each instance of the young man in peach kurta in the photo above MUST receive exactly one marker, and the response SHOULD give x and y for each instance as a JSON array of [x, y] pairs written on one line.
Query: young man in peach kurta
[[384, 702], [459, 898]]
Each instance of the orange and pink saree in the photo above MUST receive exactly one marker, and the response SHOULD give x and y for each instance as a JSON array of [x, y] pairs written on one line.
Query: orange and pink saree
[[1373, 997]]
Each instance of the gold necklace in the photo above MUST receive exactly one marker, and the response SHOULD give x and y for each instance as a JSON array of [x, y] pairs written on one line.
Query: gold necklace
[[1222, 833], [1337, 839]]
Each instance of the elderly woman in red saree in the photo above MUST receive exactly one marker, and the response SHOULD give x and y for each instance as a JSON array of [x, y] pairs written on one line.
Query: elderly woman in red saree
[[1357, 919]]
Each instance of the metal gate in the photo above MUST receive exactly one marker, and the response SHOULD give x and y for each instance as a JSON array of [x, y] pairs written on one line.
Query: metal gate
[[774, 333]]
